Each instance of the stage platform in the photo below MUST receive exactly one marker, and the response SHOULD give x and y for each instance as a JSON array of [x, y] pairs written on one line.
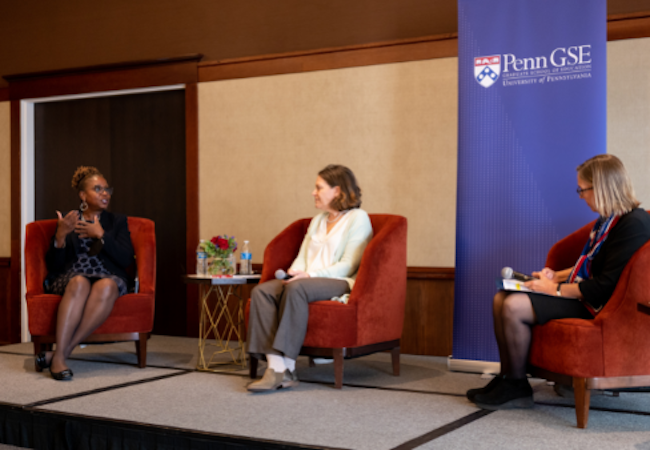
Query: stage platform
[[111, 404]]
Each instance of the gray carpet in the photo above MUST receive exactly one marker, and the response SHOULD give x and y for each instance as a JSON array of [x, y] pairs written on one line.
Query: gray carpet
[[22, 385], [374, 410], [311, 413]]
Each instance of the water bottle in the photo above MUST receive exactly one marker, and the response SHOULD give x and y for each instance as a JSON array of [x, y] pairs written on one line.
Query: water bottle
[[201, 259], [245, 262]]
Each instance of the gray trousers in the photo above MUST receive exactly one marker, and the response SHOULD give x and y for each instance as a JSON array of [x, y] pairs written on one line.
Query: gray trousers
[[279, 312]]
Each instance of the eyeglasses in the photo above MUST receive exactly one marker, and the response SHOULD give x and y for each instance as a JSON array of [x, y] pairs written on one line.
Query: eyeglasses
[[99, 189], [580, 191]]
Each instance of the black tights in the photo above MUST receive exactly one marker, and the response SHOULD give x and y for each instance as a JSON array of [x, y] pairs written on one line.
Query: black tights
[[513, 320]]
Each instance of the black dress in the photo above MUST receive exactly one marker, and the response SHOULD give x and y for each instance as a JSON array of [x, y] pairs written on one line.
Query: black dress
[[95, 259], [626, 237]]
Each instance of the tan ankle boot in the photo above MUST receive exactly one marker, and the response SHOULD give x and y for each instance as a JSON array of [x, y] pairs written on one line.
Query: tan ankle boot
[[270, 381]]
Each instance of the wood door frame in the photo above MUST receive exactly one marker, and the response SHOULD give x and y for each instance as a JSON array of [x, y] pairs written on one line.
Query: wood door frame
[[26, 90]]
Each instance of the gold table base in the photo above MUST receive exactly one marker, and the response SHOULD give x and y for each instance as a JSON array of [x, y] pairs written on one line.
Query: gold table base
[[233, 329]]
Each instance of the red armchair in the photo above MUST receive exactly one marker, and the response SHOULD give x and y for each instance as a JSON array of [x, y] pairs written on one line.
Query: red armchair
[[373, 319], [132, 315], [607, 352]]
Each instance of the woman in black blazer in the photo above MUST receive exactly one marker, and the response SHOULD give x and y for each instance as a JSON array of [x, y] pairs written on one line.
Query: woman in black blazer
[[86, 264]]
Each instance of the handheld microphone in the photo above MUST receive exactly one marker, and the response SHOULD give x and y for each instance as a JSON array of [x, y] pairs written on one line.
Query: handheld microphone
[[282, 275], [510, 274]]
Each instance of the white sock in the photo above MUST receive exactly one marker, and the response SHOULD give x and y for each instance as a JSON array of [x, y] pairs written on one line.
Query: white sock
[[276, 362], [290, 364]]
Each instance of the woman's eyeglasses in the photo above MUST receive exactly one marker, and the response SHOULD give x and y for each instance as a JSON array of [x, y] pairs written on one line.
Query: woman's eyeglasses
[[99, 189], [579, 191]]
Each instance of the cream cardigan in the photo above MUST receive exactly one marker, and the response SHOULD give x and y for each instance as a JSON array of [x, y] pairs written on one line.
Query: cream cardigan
[[348, 254]]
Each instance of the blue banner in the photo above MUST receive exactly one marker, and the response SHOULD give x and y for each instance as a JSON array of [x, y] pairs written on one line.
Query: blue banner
[[532, 107]]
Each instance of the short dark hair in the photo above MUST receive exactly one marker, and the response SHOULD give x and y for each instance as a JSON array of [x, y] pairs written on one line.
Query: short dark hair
[[341, 176]]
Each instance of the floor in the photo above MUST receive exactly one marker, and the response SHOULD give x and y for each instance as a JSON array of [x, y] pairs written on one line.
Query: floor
[[424, 408]]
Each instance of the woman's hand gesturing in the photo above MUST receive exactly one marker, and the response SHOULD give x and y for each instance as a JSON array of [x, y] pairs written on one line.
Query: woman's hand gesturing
[[65, 225], [89, 229]]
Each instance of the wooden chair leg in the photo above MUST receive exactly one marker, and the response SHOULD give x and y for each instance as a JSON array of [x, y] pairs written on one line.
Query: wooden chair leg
[[253, 367], [582, 397], [338, 368], [395, 357], [141, 350]]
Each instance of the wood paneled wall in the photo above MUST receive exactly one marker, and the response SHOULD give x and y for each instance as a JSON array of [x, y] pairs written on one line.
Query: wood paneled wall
[[5, 275]]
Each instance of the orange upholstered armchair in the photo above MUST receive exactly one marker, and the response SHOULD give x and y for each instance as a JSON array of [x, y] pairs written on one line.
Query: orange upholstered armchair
[[607, 352], [372, 320], [132, 315]]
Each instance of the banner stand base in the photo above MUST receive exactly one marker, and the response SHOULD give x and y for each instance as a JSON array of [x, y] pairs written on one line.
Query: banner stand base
[[472, 366]]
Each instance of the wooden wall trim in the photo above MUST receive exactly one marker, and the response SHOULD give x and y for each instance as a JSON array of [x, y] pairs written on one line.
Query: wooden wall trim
[[4, 94], [622, 26], [629, 26], [129, 75], [428, 47], [13, 323], [412, 273], [430, 273], [192, 201]]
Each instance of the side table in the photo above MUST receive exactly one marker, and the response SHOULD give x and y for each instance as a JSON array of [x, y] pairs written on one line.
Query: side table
[[211, 318]]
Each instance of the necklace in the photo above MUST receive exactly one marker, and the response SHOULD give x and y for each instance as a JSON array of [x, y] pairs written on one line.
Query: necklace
[[335, 218]]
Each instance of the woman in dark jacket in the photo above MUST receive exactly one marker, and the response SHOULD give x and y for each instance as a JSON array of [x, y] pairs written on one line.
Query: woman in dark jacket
[[580, 291], [87, 262]]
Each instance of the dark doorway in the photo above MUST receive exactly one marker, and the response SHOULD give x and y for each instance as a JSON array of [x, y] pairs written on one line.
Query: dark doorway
[[138, 142]]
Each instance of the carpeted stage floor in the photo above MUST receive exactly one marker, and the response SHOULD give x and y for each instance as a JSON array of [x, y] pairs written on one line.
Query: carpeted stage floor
[[113, 404]]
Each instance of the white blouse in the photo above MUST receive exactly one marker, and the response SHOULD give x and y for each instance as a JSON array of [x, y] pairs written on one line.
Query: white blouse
[[323, 245]]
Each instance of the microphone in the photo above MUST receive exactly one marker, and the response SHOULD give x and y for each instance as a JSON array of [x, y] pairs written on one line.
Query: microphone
[[282, 275], [510, 274]]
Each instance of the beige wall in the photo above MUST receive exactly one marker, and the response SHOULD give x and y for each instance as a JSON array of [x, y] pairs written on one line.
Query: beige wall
[[628, 109], [263, 140], [5, 181]]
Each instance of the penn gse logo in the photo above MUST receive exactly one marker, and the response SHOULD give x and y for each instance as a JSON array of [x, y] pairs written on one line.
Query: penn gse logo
[[487, 70]]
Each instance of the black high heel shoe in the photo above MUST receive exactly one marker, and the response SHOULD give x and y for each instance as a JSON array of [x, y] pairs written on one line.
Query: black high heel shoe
[[41, 362], [64, 375]]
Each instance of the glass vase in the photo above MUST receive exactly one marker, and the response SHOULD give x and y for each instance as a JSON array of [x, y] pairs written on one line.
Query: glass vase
[[223, 266]]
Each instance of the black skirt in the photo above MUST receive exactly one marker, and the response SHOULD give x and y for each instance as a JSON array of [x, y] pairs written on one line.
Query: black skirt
[[547, 308]]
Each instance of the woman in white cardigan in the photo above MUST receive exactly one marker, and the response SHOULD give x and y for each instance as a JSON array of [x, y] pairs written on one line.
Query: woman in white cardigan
[[325, 268]]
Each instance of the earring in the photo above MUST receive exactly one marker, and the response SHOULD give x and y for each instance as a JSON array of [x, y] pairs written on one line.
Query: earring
[[83, 206]]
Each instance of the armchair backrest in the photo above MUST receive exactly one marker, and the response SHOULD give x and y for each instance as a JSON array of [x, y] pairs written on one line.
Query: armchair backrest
[[566, 251], [37, 241], [380, 288], [283, 249]]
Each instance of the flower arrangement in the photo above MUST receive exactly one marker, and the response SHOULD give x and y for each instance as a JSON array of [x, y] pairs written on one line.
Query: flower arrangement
[[221, 249]]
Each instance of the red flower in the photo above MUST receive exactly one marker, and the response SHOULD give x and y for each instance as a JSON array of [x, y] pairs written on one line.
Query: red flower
[[222, 243], [214, 240]]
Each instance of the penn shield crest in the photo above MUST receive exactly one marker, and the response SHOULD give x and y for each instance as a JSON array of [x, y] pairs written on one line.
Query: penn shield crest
[[487, 70]]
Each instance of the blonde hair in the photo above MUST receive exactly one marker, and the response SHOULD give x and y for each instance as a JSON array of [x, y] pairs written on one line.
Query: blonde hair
[[81, 175], [613, 191]]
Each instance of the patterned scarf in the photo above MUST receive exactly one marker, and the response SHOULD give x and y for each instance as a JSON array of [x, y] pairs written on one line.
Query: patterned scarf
[[582, 269]]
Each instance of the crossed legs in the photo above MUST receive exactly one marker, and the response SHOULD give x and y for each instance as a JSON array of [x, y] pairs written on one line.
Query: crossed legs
[[513, 320], [83, 308]]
